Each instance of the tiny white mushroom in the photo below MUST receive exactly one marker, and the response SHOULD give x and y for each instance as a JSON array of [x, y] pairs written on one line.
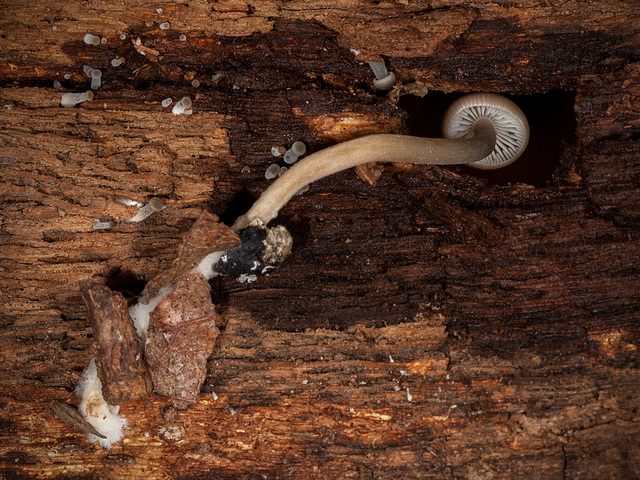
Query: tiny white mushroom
[[154, 205], [177, 109], [272, 172], [96, 79], [165, 26], [292, 155], [123, 36], [384, 80], [299, 148], [87, 70], [182, 106], [277, 151], [167, 101], [182, 38], [116, 62], [91, 39], [73, 99], [103, 41], [159, 11]]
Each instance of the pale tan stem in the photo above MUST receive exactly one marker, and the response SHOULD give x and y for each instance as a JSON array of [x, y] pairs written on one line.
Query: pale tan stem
[[372, 148]]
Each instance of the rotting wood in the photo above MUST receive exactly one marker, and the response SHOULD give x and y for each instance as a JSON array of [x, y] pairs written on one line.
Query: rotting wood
[[510, 312], [118, 352]]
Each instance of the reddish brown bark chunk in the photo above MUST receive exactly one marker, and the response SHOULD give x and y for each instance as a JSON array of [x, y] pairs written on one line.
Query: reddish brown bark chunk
[[181, 334]]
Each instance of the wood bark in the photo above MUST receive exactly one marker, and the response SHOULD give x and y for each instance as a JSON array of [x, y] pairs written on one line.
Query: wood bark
[[433, 325], [118, 352]]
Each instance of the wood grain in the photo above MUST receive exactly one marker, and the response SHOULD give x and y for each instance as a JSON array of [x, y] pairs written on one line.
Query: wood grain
[[429, 326]]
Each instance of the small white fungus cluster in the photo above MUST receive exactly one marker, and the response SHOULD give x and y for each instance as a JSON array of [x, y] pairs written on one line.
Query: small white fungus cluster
[[296, 151], [183, 107], [289, 156], [95, 75], [96, 411]]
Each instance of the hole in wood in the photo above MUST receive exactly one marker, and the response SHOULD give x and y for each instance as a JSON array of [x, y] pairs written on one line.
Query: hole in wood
[[125, 282], [551, 119]]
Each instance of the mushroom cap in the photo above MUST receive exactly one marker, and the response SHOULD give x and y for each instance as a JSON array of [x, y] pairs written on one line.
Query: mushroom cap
[[299, 148], [385, 83], [512, 128], [156, 204]]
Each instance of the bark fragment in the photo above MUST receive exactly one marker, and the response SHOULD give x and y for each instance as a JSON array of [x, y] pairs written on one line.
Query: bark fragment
[[119, 355], [180, 338]]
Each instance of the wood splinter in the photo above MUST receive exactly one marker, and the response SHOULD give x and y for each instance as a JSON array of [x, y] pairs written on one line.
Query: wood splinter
[[72, 417]]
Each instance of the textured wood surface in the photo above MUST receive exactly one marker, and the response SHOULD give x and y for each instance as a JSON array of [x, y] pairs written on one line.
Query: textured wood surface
[[432, 325]]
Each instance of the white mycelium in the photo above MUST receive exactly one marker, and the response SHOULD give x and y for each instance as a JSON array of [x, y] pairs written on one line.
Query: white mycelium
[[96, 411]]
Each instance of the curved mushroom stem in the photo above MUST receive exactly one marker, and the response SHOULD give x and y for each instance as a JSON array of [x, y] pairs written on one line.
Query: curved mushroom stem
[[372, 148]]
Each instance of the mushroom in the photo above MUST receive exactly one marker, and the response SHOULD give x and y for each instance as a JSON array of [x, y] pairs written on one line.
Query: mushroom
[[384, 80], [297, 149], [91, 39], [154, 205], [96, 79], [483, 130], [272, 172], [182, 107], [72, 99]]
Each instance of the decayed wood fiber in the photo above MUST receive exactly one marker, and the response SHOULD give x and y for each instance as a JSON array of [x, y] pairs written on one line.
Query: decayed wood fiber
[[428, 326]]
